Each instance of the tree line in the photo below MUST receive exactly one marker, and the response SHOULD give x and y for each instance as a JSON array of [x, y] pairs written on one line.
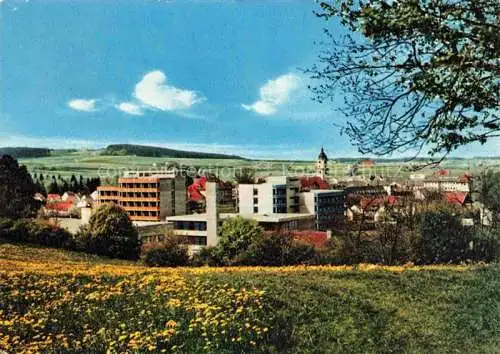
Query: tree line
[[59, 185]]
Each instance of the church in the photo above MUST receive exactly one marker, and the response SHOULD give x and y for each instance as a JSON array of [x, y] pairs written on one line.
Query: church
[[322, 165]]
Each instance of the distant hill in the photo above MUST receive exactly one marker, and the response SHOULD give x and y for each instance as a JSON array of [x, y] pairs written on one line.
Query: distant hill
[[154, 151], [24, 152]]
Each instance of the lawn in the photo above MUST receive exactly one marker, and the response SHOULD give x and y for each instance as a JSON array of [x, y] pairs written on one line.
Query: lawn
[[59, 301]]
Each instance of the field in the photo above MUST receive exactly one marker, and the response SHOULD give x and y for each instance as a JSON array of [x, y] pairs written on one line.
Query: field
[[57, 301], [92, 164]]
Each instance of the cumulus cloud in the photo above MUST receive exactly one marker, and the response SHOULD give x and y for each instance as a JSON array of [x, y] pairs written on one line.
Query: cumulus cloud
[[130, 108], [154, 93], [274, 94], [81, 104]]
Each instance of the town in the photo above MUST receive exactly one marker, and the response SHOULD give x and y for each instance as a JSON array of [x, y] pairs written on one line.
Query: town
[[311, 207], [229, 176]]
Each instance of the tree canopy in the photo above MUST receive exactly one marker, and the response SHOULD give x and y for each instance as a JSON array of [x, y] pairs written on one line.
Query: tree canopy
[[17, 190], [414, 73], [110, 233]]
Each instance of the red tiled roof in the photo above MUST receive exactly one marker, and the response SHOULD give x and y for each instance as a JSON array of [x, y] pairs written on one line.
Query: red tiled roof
[[199, 185], [60, 206], [457, 198], [372, 202], [442, 173], [53, 196], [308, 183]]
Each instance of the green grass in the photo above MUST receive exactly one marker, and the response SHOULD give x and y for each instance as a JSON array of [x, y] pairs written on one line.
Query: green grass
[[92, 164], [308, 309]]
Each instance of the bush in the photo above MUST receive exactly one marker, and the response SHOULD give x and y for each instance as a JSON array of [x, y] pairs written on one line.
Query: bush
[[443, 238], [276, 249], [109, 233], [169, 253], [37, 232], [236, 236], [207, 256]]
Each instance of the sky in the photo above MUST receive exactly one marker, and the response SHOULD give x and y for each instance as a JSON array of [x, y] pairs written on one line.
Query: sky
[[207, 75]]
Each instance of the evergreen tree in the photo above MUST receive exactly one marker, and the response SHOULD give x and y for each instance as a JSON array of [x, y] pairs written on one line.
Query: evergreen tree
[[16, 190]]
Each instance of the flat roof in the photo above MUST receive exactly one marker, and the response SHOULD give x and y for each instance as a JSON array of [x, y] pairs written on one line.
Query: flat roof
[[148, 223], [274, 217]]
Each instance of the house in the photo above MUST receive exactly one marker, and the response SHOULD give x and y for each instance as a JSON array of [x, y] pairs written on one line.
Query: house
[[53, 197], [366, 163]]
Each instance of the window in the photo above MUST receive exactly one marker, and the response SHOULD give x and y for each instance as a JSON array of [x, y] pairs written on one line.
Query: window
[[255, 209]]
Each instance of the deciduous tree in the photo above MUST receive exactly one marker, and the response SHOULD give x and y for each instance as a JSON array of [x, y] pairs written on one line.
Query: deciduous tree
[[414, 73]]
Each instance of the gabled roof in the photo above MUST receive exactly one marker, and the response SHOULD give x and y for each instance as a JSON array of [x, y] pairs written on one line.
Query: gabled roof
[[457, 198], [59, 206]]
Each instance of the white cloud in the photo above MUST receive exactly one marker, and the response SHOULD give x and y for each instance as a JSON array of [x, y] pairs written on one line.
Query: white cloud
[[274, 94], [130, 108], [154, 93], [83, 105]]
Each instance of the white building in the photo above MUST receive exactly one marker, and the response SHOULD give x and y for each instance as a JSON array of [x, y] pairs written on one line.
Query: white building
[[446, 185], [277, 195]]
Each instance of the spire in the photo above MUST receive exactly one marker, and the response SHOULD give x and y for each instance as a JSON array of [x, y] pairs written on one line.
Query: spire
[[322, 155]]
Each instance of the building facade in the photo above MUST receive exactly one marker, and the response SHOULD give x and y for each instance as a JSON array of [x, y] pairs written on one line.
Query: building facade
[[147, 198], [328, 207], [278, 195]]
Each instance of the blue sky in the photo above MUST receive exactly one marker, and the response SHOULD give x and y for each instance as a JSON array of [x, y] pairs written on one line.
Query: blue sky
[[219, 76]]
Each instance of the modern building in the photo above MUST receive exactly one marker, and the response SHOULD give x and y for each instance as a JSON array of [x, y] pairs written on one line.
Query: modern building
[[278, 195], [322, 165], [147, 198], [108, 194], [328, 207], [202, 229]]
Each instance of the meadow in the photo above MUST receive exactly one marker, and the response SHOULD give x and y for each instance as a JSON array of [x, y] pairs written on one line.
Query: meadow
[[58, 301], [93, 164]]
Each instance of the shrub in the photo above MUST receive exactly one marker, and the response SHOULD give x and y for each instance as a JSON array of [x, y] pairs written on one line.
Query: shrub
[[37, 232], [207, 256], [109, 233], [443, 239], [236, 236], [168, 253], [276, 249]]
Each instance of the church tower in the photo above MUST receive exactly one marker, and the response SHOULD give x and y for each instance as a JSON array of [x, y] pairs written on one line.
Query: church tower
[[321, 165]]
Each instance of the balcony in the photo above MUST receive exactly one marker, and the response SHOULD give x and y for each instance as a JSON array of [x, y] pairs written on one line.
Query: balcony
[[138, 189], [140, 199], [140, 208]]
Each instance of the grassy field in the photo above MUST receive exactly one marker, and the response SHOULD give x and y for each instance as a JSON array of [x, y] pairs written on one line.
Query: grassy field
[[58, 301], [92, 164]]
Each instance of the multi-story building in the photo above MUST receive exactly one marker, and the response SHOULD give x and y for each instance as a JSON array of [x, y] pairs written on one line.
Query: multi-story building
[[147, 198], [202, 229], [328, 206], [108, 194], [277, 195]]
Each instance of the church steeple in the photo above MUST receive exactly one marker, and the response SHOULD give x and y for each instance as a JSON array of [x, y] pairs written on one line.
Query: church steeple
[[321, 164], [322, 155]]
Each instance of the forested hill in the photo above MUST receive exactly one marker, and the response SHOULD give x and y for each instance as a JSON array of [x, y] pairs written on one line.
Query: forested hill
[[24, 152], [154, 151]]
